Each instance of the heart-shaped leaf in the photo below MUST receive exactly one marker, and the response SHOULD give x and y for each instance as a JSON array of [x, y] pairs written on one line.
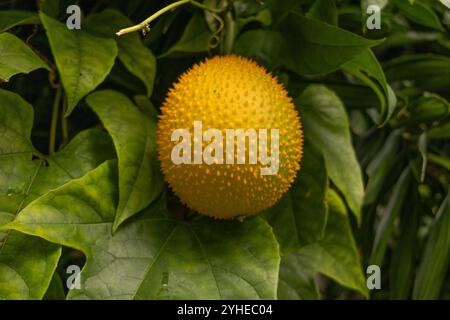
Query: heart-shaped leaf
[[153, 256], [28, 263], [16, 57], [83, 60]]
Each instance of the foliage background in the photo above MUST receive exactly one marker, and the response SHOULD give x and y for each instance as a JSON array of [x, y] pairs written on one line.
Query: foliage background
[[80, 184]]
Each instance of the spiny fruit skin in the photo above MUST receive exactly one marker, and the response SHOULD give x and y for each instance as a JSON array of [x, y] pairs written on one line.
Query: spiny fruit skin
[[229, 92]]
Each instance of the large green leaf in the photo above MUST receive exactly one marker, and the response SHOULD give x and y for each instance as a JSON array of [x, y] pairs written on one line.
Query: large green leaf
[[304, 45], [83, 60], [153, 256], [326, 126], [335, 256], [12, 18], [16, 57], [436, 257], [27, 263], [135, 56], [134, 136], [299, 218], [314, 47]]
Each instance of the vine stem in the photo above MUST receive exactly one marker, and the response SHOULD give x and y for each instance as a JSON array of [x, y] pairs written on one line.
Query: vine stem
[[144, 24], [64, 124], [54, 121], [230, 32]]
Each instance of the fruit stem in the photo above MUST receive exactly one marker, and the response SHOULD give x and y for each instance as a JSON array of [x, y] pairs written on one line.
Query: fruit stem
[[54, 121], [144, 24]]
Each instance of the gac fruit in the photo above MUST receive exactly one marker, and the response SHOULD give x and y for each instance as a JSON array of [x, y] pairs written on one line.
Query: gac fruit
[[223, 93]]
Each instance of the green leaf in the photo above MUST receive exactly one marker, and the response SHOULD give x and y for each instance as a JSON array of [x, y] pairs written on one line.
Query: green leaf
[[146, 107], [83, 60], [16, 57], [152, 256], [28, 263], [440, 132], [428, 108], [335, 256], [436, 257], [280, 9], [26, 266], [392, 211], [269, 46], [326, 126], [366, 68], [314, 47], [134, 136], [324, 10], [420, 13], [444, 162], [305, 45], [12, 18], [404, 255], [380, 166], [194, 39], [135, 56], [297, 278], [426, 71], [299, 218], [56, 290]]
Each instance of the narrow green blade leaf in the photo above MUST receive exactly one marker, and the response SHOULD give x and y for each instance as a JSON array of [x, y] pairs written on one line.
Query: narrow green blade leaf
[[380, 166], [436, 257], [420, 13], [394, 207], [404, 255]]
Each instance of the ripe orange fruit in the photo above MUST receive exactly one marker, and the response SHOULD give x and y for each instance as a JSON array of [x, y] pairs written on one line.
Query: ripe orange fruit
[[229, 92]]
